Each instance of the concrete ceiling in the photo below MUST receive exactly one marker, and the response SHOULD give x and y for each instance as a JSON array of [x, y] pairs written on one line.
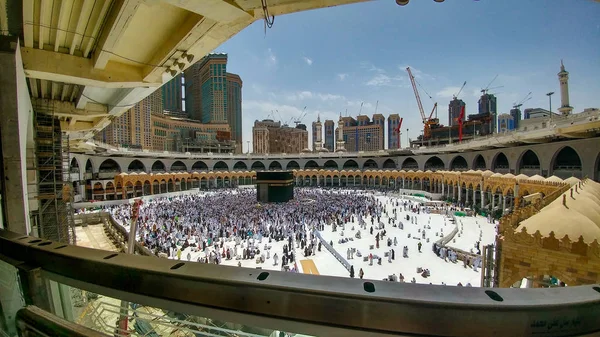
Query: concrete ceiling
[[89, 61]]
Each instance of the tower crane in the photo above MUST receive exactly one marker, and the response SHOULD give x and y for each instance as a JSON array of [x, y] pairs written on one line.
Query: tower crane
[[299, 120], [461, 89], [397, 130], [485, 90], [428, 122], [518, 105]]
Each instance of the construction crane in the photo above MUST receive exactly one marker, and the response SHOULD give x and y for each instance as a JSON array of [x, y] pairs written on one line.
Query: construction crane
[[299, 120], [461, 89], [398, 133], [460, 123], [518, 105], [428, 122], [485, 90]]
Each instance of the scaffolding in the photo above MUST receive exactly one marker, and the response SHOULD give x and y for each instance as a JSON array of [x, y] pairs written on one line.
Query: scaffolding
[[54, 187]]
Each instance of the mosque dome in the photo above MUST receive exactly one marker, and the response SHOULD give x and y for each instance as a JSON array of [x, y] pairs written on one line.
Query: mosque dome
[[554, 179], [536, 178], [572, 181], [581, 216], [487, 173], [522, 177]]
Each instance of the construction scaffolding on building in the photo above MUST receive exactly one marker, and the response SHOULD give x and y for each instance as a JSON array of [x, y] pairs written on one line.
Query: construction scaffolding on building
[[54, 188]]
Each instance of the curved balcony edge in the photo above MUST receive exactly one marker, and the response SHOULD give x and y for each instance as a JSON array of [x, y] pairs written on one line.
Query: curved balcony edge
[[318, 305]]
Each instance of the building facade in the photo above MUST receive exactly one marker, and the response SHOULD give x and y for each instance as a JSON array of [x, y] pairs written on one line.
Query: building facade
[[329, 135], [133, 128], [361, 134], [454, 109], [516, 115], [393, 131], [487, 105], [171, 133], [172, 96], [234, 108], [506, 122], [270, 137]]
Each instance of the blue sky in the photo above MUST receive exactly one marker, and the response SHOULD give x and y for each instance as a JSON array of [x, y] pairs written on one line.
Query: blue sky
[[330, 60]]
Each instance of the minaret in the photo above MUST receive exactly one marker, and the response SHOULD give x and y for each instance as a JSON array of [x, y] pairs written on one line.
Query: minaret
[[318, 145], [340, 144], [563, 77]]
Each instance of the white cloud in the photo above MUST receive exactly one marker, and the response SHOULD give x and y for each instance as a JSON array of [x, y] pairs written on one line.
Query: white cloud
[[330, 97], [371, 67], [447, 92], [379, 79], [302, 95], [342, 76], [308, 61], [271, 58], [385, 80]]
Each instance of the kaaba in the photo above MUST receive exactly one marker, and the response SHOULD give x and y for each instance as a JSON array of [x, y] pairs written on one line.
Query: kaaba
[[274, 186]]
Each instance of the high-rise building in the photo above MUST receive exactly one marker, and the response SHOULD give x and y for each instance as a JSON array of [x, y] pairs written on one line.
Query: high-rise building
[[393, 132], [172, 96], [213, 76], [516, 115], [361, 134], [487, 105], [234, 108], [133, 128], [563, 78], [272, 137], [379, 119], [206, 89], [329, 135], [454, 109]]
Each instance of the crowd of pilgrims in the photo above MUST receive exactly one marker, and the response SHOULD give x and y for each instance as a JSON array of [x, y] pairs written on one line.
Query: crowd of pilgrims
[[206, 222]]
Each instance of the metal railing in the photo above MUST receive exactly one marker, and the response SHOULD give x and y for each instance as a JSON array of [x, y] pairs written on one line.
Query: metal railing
[[317, 305]]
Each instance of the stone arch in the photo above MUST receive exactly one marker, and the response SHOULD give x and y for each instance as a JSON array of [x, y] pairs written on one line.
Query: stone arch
[[74, 166], [311, 164], [410, 164], [199, 166], [434, 163], [292, 165], [136, 166], [158, 166], [389, 164], [459, 163], [479, 163], [258, 166], [566, 162], [528, 163], [500, 163], [350, 165], [275, 165], [89, 167], [370, 164], [240, 166], [178, 166], [330, 164], [109, 165], [221, 166]]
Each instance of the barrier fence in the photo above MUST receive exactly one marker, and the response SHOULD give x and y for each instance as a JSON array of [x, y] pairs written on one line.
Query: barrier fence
[[335, 254]]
